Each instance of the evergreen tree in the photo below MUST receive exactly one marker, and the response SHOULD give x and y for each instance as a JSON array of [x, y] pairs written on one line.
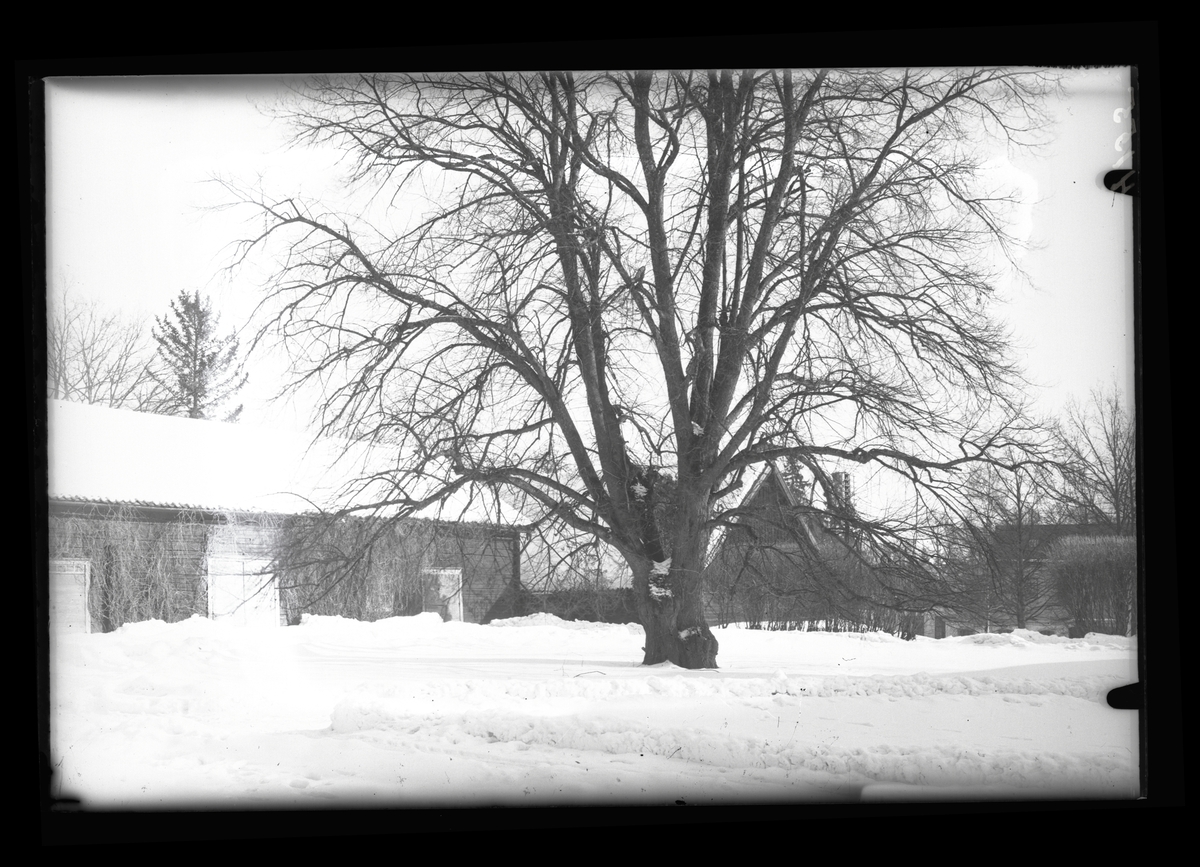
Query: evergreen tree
[[203, 371]]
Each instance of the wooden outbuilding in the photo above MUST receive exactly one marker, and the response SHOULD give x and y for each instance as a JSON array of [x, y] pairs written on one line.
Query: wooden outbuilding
[[157, 517]]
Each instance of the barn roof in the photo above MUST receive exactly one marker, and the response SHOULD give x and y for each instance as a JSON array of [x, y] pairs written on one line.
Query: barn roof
[[110, 456]]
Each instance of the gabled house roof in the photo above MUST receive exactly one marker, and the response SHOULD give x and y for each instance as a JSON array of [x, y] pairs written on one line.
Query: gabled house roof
[[770, 474], [771, 479], [99, 455]]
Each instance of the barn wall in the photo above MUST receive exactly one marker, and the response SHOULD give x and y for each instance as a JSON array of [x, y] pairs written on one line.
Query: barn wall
[[486, 560], [141, 570], [253, 539], [322, 568], [156, 568]]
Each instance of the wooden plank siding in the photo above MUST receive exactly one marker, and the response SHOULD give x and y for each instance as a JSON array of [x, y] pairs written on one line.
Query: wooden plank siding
[[150, 562], [141, 569], [486, 560]]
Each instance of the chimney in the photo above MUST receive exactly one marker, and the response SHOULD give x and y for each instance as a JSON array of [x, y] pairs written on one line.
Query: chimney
[[843, 499]]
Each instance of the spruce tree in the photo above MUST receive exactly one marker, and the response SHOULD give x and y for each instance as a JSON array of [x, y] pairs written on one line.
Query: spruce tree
[[202, 370]]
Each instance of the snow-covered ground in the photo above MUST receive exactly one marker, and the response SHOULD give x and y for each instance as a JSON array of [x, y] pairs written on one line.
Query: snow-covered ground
[[417, 712]]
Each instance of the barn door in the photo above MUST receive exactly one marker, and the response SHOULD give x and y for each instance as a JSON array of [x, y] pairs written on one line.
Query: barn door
[[241, 591], [446, 586], [69, 584]]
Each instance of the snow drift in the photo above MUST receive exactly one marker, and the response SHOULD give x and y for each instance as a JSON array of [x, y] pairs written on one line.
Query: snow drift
[[413, 711]]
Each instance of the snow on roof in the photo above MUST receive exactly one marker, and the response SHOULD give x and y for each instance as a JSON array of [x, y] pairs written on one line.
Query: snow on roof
[[97, 454]]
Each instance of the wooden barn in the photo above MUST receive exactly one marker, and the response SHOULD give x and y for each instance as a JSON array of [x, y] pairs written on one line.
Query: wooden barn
[[157, 517]]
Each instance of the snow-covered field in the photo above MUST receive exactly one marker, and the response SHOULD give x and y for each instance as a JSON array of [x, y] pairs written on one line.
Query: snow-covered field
[[538, 711]]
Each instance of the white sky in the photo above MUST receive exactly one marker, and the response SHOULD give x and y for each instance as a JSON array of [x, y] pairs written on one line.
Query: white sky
[[128, 162]]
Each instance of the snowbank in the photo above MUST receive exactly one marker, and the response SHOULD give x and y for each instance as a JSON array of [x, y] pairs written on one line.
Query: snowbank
[[1025, 637], [412, 710], [554, 622]]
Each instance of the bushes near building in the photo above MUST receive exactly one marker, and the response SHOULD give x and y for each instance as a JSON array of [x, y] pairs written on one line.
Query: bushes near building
[[1095, 582]]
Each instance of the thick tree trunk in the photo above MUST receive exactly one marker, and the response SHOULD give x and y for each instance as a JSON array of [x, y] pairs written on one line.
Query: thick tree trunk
[[671, 607]]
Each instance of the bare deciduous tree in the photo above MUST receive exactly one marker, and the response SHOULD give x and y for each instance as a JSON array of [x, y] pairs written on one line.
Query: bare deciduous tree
[[630, 290], [99, 358], [1100, 448], [1004, 564]]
